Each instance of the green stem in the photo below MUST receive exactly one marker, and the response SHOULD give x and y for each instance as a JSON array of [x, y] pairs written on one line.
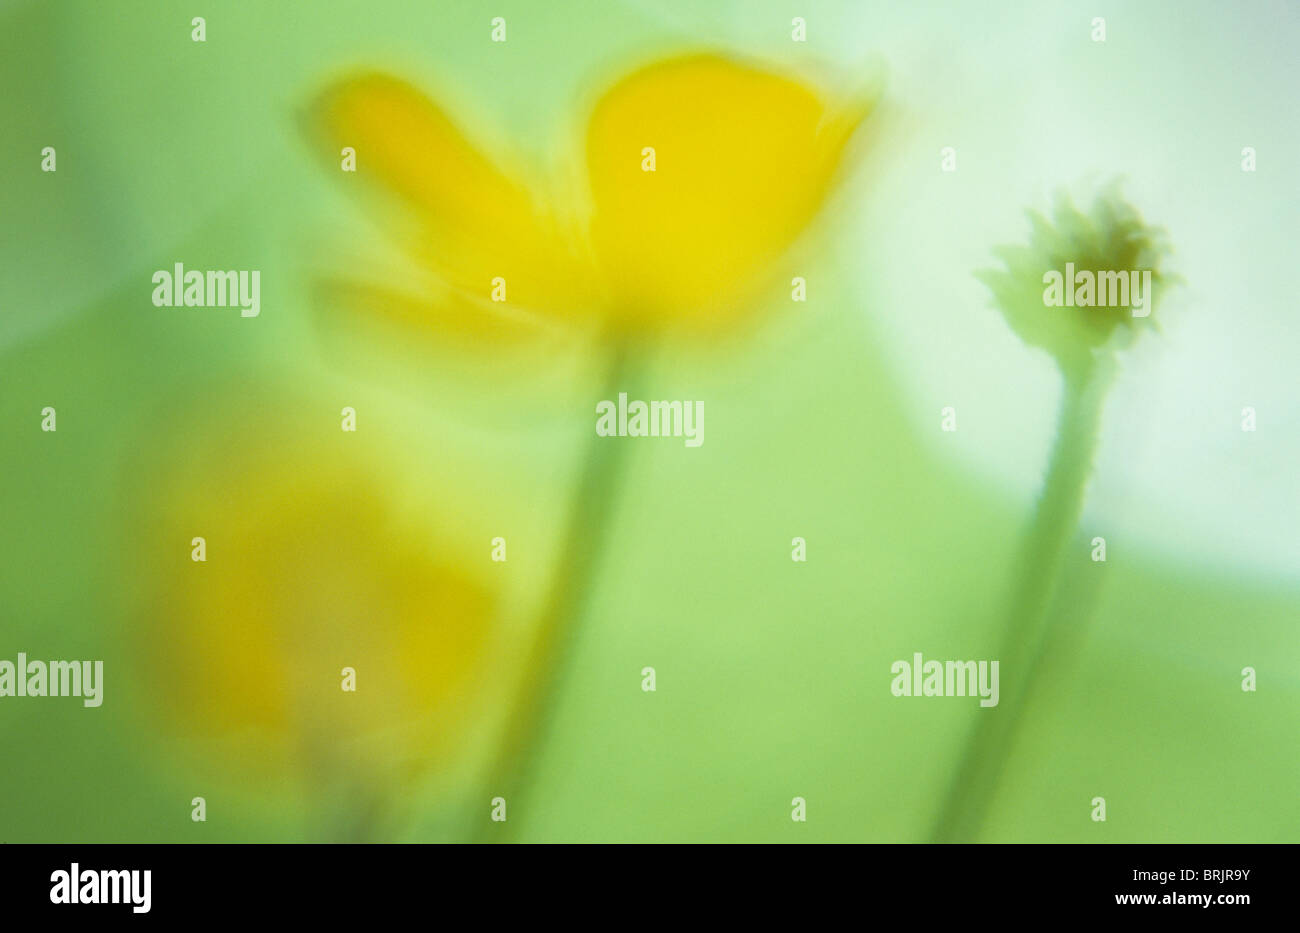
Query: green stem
[[348, 807], [580, 549], [1030, 632]]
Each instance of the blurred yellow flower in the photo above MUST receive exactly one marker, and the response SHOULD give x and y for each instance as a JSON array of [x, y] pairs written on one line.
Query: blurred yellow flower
[[701, 170], [313, 564]]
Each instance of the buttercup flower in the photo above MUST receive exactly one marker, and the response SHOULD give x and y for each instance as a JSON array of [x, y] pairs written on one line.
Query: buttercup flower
[[310, 579], [700, 171]]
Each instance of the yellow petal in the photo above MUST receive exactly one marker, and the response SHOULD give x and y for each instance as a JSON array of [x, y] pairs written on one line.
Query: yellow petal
[[477, 222], [743, 159]]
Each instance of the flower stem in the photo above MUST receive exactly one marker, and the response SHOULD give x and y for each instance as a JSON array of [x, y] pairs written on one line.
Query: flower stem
[[583, 541], [1030, 633]]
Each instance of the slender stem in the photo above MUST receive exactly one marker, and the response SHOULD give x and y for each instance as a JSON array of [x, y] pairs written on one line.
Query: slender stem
[[1030, 631], [347, 807], [581, 545]]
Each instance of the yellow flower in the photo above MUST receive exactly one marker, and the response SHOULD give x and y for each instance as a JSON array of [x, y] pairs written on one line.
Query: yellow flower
[[313, 564], [700, 172]]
